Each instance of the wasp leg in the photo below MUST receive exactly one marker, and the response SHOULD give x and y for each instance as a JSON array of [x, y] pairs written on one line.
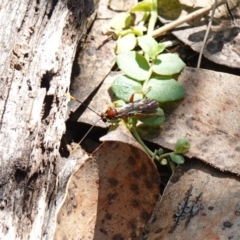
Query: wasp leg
[[140, 92], [139, 115]]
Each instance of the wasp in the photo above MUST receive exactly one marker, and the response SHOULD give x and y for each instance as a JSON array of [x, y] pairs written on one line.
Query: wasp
[[140, 108], [143, 107]]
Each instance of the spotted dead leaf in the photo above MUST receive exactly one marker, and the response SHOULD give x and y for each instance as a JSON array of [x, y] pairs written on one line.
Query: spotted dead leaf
[[199, 203], [223, 41], [208, 117], [112, 195]]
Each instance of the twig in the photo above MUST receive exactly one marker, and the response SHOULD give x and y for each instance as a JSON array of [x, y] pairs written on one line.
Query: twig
[[207, 33], [187, 18]]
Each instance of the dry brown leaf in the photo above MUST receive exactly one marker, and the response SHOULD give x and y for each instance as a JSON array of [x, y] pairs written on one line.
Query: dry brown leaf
[[91, 63], [104, 12], [223, 41], [95, 61], [196, 3], [112, 195], [199, 203], [121, 5], [101, 100], [90, 69], [208, 117]]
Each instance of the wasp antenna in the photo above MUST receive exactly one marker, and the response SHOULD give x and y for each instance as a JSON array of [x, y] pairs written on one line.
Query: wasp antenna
[[90, 129], [143, 92], [147, 90], [71, 97], [75, 99]]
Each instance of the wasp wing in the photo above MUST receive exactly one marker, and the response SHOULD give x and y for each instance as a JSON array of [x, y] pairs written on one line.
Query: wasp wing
[[142, 106]]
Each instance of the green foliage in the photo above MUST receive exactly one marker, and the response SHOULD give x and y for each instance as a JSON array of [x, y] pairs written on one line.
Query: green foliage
[[138, 30], [126, 43], [168, 64], [150, 46], [182, 145], [134, 65], [156, 119], [122, 21], [144, 6], [119, 103], [163, 87], [150, 73], [124, 87], [178, 159], [165, 90]]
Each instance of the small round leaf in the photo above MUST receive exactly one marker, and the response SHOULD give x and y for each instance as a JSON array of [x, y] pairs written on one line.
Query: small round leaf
[[164, 161], [165, 90], [182, 145], [150, 46], [178, 159], [133, 64], [122, 21], [168, 64], [118, 103], [124, 87], [126, 43]]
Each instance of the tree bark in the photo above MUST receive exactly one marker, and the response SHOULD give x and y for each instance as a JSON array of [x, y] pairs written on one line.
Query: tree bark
[[38, 42]]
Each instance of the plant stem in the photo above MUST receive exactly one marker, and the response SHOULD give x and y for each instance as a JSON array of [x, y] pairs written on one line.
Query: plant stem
[[145, 17], [148, 151], [164, 156], [136, 135], [153, 18], [148, 77], [172, 166], [124, 32], [151, 23]]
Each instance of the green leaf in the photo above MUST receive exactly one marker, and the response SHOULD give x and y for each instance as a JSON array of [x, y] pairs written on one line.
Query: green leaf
[[164, 161], [145, 18], [124, 87], [122, 20], [182, 145], [163, 90], [150, 46], [138, 30], [126, 43], [122, 33], [118, 103], [155, 119], [133, 64], [145, 6], [160, 151], [178, 159], [172, 166], [168, 64]]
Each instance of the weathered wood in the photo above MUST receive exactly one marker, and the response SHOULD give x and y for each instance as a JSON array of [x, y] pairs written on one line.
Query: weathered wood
[[38, 42]]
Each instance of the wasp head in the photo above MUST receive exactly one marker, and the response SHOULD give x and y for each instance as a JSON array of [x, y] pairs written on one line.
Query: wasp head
[[111, 113]]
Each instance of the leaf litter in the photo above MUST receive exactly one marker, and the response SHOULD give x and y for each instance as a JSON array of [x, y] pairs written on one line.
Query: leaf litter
[[199, 201], [208, 117], [109, 195], [223, 41]]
